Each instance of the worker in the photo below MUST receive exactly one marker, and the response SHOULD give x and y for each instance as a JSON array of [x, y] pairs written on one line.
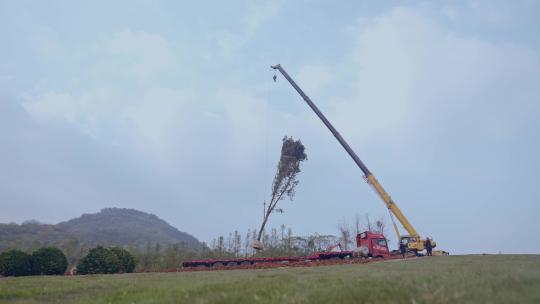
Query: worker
[[428, 246], [403, 248]]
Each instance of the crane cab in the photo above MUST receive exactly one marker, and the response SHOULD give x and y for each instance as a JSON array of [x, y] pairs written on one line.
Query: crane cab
[[376, 244], [415, 244]]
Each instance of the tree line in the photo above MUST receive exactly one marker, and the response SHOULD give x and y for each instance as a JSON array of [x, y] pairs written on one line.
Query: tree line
[[282, 240], [52, 261], [43, 261]]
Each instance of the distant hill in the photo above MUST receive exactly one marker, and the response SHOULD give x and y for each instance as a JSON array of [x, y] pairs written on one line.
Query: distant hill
[[111, 226]]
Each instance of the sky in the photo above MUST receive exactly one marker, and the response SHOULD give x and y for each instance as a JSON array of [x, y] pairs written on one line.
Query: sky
[[169, 107]]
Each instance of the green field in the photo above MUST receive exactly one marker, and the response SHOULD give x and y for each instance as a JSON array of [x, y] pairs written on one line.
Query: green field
[[463, 279]]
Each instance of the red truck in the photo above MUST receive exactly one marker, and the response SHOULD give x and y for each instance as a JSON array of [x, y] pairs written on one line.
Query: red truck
[[368, 244]]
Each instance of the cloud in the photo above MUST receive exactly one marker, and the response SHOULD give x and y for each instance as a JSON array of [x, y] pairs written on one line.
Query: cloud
[[411, 71], [121, 93], [503, 12], [125, 100], [143, 55], [257, 14], [260, 12], [45, 40], [315, 78], [6, 77]]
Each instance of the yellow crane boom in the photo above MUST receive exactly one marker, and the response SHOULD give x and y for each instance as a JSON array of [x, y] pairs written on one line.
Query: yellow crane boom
[[392, 206]]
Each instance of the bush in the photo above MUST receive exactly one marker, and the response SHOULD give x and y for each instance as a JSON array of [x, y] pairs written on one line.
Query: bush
[[126, 259], [98, 260], [48, 261], [15, 263]]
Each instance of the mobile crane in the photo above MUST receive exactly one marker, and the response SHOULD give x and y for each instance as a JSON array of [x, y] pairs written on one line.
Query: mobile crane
[[369, 244], [413, 241]]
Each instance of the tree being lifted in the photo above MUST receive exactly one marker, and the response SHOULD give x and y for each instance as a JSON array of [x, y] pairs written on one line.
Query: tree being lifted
[[285, 181]]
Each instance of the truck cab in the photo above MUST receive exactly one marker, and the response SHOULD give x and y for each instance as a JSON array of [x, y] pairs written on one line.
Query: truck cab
[[376, 244]]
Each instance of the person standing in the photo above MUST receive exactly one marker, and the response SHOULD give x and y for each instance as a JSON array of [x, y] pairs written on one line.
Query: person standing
[[403, 248], [429, 248]]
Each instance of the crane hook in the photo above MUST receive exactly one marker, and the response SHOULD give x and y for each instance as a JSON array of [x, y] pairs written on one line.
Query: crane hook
[[275, 77]]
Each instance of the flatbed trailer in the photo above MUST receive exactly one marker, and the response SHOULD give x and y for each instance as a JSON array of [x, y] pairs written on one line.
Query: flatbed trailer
[[368, 245], [317, 256]]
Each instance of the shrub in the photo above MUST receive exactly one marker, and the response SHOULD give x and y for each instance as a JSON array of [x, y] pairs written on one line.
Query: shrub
[[126, 259], [49, 261], [98, 260], [15, 263]]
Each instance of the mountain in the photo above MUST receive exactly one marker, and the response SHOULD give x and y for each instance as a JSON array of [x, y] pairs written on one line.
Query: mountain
[[125, 226], [110, 226]]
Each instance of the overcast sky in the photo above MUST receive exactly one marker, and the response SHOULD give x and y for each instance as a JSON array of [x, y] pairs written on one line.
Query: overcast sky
[[169, 107]]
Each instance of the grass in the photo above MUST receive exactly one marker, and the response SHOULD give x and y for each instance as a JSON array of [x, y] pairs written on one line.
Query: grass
[[454, 279]]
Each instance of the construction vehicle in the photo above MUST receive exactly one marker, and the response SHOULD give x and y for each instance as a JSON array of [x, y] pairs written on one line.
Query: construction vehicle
[[413, 241], [370, 245]]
